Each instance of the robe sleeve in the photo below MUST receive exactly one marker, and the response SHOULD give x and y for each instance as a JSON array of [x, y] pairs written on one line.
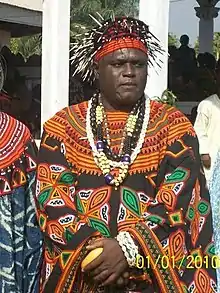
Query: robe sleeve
[[201, 125], [60, 222], [178, 220]]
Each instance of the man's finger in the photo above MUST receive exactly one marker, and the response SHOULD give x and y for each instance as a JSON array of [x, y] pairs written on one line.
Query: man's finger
[[126, 282], [95, 244], [111, 279], [207, 166], [126, 275], [97, 271], [120, 282], [104, 275]]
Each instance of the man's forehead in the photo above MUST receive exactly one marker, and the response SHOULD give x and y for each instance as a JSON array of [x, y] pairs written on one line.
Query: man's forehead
[[126, 53]]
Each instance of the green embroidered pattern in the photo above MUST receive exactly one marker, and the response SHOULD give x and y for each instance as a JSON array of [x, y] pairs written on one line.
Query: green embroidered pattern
[[42, 221], [155, 219], [131, 201], [79, 205], [203, 208], [210, 250], [190, 214], [178, 175], [99, 226], [65, 256], [68, 235], [44, 196], [67, 178]]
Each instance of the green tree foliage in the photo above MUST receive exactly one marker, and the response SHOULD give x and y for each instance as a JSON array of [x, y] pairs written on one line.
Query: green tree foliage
[[173, 40], [26, 46], [80, 10], [216, 45]]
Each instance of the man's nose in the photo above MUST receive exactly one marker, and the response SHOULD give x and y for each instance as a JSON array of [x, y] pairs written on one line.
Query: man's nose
[[129, 70]]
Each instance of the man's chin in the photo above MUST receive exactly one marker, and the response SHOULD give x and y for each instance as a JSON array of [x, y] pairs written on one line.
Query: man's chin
[[127, 99]]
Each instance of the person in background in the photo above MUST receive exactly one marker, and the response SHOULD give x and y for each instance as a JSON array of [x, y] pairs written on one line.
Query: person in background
[[185, 52], [214, 189], [21, 240], [186, 57], [172, 66], [206, 79], [207, 127], [193, 115]]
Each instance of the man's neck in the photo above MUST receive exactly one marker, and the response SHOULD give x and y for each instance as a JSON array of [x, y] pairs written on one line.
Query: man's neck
[[114, 107]]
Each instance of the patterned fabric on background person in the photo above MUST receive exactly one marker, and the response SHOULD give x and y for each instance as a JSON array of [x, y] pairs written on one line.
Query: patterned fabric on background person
[[163, 203], [21, 240], [214, 188]]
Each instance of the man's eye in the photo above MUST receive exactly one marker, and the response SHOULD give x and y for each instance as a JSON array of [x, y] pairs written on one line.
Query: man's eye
[[117, 64], [140, 64]]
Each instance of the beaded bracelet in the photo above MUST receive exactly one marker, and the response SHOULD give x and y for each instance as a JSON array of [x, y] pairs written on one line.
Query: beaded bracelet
[[128, 247]]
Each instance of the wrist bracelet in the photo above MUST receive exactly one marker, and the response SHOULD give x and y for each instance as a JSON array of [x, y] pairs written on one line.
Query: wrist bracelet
[[128, 247]]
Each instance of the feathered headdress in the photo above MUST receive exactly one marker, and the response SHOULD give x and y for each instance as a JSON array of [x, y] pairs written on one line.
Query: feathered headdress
[[108, 36]]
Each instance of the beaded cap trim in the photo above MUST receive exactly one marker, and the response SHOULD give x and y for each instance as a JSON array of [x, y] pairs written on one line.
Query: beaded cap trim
[[120, 44], [86, 45]]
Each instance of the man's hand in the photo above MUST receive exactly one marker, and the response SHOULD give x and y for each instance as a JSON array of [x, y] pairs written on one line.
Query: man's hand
[[123, 280], [110, 265], [206, 161]]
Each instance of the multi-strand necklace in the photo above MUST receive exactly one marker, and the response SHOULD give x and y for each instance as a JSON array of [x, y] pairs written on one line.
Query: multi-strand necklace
[[99, 138]]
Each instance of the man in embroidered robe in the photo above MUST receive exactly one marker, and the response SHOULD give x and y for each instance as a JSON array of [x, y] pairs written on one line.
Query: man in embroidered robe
[[122, 173], [21, 240]]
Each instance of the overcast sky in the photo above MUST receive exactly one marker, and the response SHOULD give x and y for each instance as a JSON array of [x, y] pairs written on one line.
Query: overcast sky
[[183, 19]]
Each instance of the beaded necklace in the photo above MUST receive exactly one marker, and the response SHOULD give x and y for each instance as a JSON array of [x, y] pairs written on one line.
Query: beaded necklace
[[132, 141]]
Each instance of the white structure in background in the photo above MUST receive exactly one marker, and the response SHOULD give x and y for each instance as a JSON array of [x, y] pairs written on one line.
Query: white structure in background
[[35, 5], [19, 18], [55, 57], [206, 13], [156, 15], [24, 17]]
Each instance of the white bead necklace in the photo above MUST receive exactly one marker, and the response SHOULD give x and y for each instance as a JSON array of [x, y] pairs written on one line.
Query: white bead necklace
[[136, 150]]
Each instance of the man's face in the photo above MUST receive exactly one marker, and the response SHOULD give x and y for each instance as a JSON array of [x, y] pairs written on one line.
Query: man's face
[[122, 77]]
